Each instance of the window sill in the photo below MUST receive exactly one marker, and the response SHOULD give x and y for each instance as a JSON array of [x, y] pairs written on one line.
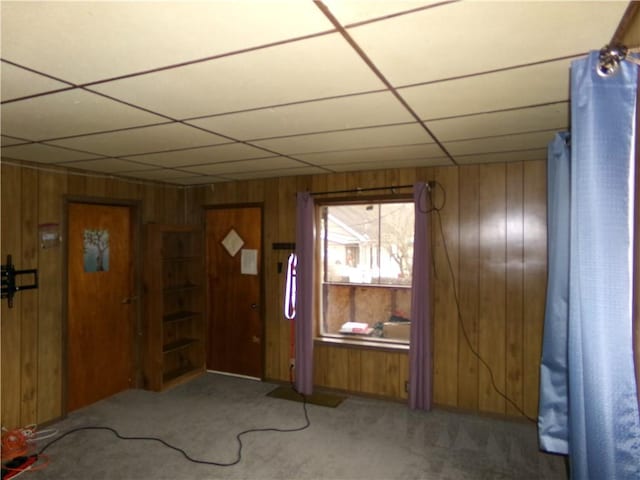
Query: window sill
[[363, 344], [402, 286]]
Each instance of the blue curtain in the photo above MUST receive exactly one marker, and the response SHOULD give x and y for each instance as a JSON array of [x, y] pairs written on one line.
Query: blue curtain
[[552, 420], [420, 348], [601, 427], [305, 221]]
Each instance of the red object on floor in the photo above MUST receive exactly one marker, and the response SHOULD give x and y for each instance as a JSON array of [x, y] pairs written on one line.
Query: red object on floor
[[16, 466]]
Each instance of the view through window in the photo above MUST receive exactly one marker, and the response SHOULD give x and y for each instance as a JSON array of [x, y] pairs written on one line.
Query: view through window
[[367, 253]]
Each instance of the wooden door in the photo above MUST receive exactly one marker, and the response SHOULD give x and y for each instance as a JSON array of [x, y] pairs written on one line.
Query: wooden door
[[100, 310], [234, 281]]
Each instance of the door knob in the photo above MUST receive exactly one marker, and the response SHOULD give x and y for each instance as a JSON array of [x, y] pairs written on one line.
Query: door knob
[[130, 299], [254, 306]]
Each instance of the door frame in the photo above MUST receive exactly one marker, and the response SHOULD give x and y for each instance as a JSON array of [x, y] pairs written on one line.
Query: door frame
[[261, 307], [135, 209]]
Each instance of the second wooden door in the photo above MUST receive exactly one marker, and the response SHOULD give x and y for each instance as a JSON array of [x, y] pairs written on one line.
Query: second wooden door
[[234, 239]]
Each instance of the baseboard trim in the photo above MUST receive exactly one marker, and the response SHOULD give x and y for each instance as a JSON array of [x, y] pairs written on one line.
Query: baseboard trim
[[229, 374]]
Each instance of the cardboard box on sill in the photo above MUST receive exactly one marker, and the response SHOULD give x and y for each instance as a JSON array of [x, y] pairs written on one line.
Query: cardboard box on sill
[[396, 330]]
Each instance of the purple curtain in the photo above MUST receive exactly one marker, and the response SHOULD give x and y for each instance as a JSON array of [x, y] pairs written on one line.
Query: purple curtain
[[303, 323], [420, 349]]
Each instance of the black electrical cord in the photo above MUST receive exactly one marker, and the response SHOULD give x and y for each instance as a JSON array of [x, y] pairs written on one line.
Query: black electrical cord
[[185, 454], [457, 300]]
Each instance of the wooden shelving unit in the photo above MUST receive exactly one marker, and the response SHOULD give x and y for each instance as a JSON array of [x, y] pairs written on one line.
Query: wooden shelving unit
[[174, 323]]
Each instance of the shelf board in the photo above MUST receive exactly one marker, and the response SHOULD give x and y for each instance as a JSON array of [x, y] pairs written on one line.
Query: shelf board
[[178, 344], [178, 316], [174, 376]]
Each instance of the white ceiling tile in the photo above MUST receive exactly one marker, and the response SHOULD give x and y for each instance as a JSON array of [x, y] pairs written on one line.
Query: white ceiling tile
[[501, 157], [140, 140], [388, 154], [202, 155], [36, 152], [283, 172], [108, 165], [69, 113], [18, 82], [405, 163], [524, 141], [286, 73], [467, 37], [361, 138], [380, 108], [275, 75], [244, 166], [502, 123], [87, 41], [352, 11], [520, 87]]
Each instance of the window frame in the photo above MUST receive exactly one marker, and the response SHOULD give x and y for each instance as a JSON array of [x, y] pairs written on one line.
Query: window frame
[[340, 338]]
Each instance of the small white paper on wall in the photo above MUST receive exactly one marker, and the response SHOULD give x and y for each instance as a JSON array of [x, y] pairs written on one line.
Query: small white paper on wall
[[249, 262]]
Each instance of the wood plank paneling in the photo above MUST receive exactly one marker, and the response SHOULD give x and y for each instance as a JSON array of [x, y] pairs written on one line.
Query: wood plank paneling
[[11, 184], [168, 198], [469, 280], [498, 272], [285, 233], [29, 301], [77, 185], [486, 237], [392, 372], [372, 372], [150, 208], [320, 353], [445, 258], [338, 374], [491, 312], [194, 199], [403, 375], [355, 370], [95, 186], [32, 372], [535, 284], [51, 188], [273, 311], [515, 286]]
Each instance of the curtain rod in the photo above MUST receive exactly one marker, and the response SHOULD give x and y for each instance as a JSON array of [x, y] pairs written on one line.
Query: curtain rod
[[358, 190]]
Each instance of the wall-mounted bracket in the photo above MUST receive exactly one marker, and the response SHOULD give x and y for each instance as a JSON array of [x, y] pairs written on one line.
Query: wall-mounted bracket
[[9, 284]]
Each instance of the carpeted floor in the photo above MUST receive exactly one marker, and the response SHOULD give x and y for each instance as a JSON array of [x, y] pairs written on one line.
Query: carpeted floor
[[286, 392], [359, 439]]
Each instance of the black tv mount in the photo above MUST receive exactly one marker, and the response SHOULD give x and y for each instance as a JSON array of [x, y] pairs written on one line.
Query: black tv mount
[[9, 286]]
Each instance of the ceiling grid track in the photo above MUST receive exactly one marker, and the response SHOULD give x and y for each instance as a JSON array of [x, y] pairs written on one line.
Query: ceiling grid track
[[382, 78]]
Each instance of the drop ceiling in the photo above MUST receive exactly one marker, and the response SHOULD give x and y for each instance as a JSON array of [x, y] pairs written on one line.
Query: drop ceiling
[[192, 93]]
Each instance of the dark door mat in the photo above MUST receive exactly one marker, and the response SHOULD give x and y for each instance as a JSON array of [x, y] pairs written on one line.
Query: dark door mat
[[322, 399]]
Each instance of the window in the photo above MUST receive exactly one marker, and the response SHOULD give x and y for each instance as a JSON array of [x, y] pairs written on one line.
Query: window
[[366, 254]]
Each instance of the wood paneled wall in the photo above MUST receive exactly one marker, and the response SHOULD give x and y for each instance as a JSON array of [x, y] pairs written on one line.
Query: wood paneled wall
[[31, 331], [494, 223], [496, 237], [494, 226]]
